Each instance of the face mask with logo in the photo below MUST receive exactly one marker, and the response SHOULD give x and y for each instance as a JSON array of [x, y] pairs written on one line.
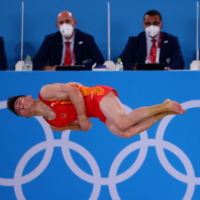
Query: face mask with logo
[[152, 31], [66, 30]]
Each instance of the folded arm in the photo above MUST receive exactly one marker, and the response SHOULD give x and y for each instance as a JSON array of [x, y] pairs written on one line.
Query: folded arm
[[72, 126], [3, 60], [128, 54], [41, 59], [59, 91], [177, 61]]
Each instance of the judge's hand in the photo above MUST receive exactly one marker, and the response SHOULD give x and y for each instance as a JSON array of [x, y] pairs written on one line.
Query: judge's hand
[[134, 68], [168, 68], [49, 68]]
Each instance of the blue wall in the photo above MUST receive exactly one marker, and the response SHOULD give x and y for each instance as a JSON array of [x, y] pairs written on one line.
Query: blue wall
[[160, 163], [179, 19]]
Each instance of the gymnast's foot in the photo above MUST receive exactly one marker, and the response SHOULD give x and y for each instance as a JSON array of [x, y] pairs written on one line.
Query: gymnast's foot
[[176, 108]]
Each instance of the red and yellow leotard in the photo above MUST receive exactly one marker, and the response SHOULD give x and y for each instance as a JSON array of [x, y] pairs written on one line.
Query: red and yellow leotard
[[66, 112]]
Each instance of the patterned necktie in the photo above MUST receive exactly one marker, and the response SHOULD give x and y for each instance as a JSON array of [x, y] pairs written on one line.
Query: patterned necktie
[[153, 51], [67, 54]]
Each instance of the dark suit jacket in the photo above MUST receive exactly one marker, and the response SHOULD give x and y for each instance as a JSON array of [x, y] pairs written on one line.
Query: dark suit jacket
[[3, 60], [85, 48], [136, 51]]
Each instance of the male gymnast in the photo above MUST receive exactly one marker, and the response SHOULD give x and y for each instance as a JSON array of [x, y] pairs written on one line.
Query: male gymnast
[[69, 106]]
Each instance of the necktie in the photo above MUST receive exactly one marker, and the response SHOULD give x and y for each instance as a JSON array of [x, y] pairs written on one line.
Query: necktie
[[67, 54], [153, 51]]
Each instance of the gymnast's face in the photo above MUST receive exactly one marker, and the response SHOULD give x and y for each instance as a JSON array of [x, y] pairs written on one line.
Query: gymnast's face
[[25, 106]]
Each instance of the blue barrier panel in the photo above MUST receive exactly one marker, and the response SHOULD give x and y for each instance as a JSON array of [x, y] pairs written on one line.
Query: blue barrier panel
[[160, 163]]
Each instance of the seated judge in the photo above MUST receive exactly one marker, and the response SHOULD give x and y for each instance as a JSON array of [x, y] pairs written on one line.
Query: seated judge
[[3, 60], [68, 46], [152, 45]]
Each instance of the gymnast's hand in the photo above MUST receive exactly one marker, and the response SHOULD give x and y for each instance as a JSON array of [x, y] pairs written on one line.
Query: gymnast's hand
[[84, 122]]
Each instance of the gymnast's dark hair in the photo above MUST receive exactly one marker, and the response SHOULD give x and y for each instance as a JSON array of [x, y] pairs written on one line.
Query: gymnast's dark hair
[[153, 13], [11, 103]]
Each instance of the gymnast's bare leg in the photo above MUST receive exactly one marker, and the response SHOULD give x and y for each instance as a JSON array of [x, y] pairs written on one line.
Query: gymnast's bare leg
[[138, 120]]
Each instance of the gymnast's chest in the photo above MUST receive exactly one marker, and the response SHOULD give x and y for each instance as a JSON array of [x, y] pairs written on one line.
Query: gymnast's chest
[[65, 114]]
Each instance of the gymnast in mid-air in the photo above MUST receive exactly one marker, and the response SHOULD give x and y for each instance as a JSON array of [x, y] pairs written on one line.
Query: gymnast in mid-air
[[69, 106]]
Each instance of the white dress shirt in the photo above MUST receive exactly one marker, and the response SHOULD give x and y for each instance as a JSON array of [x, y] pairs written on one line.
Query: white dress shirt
[[71, 49], [149, 45]]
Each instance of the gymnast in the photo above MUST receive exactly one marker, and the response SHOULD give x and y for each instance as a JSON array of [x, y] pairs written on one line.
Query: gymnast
[[69, 106]]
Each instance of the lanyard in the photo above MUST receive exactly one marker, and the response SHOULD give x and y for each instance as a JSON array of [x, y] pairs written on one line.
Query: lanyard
[[158, 48], [73, 58]]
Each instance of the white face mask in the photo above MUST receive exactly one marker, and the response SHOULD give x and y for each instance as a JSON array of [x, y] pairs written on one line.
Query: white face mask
[[152, 31], [66, 30]]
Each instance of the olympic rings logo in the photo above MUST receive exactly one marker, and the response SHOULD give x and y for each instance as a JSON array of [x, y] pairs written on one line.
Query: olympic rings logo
[[65, 144]]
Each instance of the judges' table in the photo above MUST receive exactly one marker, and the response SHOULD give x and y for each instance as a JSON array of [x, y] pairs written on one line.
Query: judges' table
[[38, 163]]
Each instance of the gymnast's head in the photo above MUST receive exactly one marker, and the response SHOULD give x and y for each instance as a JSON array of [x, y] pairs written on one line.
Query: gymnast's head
[[22, 105]]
